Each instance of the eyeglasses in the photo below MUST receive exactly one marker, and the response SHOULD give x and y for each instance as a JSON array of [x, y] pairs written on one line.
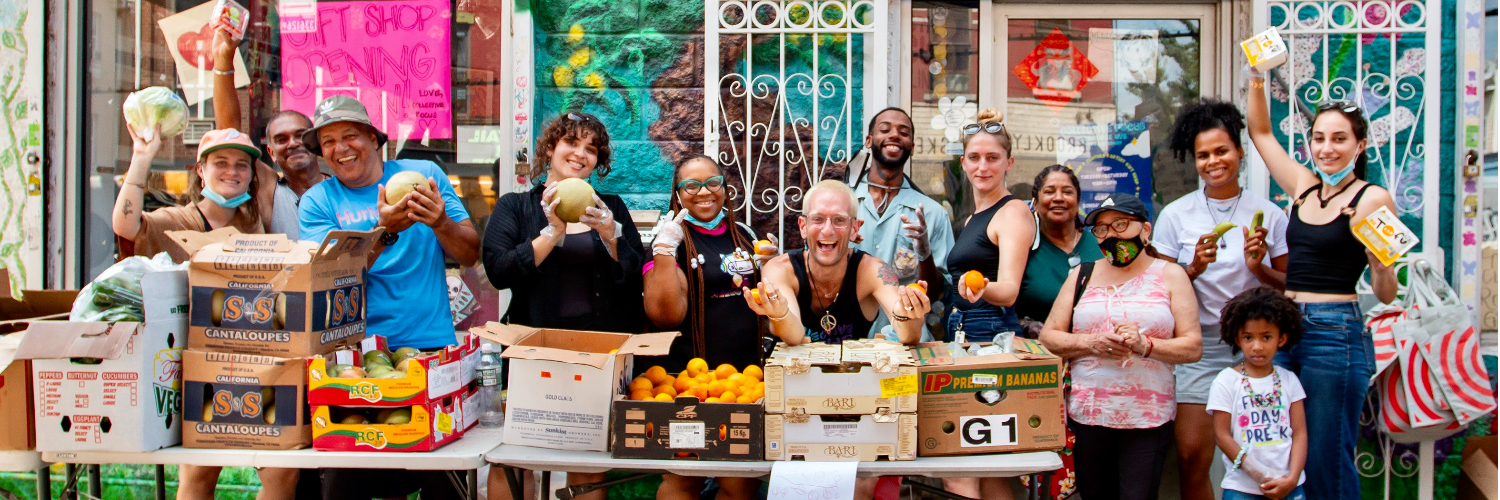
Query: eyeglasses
[[577, 117], [692, 186], [1342, 105], [840, 222], [1118, 226], [991, 127]]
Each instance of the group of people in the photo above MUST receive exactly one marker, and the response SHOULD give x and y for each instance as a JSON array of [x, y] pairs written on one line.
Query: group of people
[[1170, 330]]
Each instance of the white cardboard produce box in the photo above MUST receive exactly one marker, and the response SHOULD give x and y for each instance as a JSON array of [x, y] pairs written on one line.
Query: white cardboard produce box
[[841, 438], [127, 400]]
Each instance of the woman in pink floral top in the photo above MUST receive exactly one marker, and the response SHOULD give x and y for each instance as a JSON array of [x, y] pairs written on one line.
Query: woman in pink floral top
[[1137, 317]]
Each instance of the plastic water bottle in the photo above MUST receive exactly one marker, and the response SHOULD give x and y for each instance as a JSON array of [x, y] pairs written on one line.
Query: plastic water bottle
[[488, 374]]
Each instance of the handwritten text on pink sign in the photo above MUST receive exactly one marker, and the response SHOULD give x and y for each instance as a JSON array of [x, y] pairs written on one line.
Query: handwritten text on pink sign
[[393, 56]]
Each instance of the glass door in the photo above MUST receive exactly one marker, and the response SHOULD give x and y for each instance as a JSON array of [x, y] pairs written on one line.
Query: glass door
[[1101, 94]]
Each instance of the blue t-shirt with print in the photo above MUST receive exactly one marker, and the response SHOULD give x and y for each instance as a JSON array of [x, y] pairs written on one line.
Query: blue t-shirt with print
[[407, 288]]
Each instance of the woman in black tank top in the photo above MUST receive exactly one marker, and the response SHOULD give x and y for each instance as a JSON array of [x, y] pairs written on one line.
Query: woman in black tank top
[[995, 241], [1324, 263]]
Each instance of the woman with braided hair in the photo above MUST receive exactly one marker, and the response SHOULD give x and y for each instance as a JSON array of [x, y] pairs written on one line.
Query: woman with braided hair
[[701, 260]]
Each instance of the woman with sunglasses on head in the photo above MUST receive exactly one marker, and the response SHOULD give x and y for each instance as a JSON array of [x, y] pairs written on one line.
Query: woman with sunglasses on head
[[1135, 318], [1221, 267], [1325, 261], [578, 276], [701, 259], [994, 241]]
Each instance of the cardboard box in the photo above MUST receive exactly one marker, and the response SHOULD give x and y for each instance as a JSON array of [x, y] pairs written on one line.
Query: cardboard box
[[955, 417], [1265, 50], [432, 425], [32, 305], [264, 294], [562, 382], [1479, 479], [688, 430], [129, 399], [243, 401], [842, 379], [19, 433], [840, 438], [433, 377]]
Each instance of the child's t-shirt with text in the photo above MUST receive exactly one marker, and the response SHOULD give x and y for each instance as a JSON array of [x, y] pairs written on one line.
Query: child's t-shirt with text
[[1265, 429]]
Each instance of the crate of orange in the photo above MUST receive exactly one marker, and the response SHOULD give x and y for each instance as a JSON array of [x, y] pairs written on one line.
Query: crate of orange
[[699, 414], [858, 377]]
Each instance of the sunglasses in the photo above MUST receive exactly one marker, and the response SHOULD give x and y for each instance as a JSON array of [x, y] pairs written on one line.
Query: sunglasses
[[578, 117], [991, 127], [1342, 105], [693, 186]]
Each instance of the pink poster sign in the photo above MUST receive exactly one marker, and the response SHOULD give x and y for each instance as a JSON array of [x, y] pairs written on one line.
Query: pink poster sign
[[393, 56]]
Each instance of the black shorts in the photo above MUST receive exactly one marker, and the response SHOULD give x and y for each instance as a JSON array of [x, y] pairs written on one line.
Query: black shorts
[[363, 484]]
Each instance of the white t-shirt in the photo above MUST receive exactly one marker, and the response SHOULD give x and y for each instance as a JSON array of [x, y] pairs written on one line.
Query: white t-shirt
[[1182, 222], [1265, 431]]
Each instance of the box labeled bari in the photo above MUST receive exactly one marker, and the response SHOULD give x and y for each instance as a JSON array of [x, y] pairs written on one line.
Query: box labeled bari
[[856, 377], [841, 438], [111, 387], [562, 382], [994, 403], [412, 378], [264, 294], [244, 401], [423, 427], [688, 430]]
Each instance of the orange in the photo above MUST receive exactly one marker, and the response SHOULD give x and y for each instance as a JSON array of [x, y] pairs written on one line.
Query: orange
[[974, 281], [641, 396], [641, 384], [699, 391], [731, 386], [755, 294], [697, 366], [715, 388], [712, 400], [657, 375], [754, 372], [663, 397], [683, 382], [724, 371], [738, 379], [765, 247], [919, 287], [664, 389], [746, 399], [705, 378], [729, 396]]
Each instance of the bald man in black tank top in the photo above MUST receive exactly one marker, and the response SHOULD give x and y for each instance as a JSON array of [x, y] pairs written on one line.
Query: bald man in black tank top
[[831, 292]]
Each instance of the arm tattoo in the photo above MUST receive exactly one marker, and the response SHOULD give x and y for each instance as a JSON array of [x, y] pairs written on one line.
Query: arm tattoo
[[126, 209], [888, 275]]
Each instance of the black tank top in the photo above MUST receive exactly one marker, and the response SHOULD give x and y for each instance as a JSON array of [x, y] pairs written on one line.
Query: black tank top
[[849, 318], [973, 251], [1323, 258]]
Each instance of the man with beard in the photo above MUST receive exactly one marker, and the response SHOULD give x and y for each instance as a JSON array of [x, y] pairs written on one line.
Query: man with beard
[[901, 225], [828, 291]]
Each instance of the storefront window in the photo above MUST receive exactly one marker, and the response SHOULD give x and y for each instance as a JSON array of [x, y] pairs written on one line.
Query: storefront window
[[427, 70], [944, 97]]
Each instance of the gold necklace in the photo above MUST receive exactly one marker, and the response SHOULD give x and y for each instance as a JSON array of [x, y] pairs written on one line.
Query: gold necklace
[[828, 322]]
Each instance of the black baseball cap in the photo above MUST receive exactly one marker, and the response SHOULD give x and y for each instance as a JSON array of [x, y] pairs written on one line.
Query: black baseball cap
[[1124, 203]]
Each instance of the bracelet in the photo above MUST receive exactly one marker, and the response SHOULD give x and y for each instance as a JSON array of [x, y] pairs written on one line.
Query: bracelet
[[136, 184], [225, 73], [1257, 83], [1149, 346], [1239, 458], [783, 316]]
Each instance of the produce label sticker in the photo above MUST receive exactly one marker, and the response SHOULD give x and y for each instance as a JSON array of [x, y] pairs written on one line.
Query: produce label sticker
[[1384, 234], [840, 430], [686, 434], [904, 385], [445, 423], [983, 379]]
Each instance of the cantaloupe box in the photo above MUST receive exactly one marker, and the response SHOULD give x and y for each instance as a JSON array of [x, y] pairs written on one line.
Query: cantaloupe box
[[264, 294], [989, 404], [561, 383], [841, 438], [433, 376], [16, 313], [1265, 50], [842, 379], [431, 426], [686, 429], [244, 401], [112, 387]]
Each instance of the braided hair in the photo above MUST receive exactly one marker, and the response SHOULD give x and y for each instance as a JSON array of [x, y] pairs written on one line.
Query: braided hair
[[696, 307], [1207, 114]]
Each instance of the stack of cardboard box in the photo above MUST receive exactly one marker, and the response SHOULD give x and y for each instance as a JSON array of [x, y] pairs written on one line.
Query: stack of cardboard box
[[851, 402], [420, 404], [990, 403]]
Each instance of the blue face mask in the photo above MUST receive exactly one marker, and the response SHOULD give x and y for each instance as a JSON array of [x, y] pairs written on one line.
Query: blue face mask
[[220, 201], [1337, 177], [705, 225]]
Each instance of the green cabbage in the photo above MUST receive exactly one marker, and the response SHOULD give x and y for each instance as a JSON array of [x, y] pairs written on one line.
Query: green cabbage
[[152, 106]]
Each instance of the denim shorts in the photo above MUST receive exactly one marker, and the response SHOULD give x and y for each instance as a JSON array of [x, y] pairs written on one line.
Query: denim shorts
[[1195, 379], [980, 324], [1295, 494]]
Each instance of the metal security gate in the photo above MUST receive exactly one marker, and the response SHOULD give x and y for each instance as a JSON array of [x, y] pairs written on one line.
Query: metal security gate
[[787, 85]]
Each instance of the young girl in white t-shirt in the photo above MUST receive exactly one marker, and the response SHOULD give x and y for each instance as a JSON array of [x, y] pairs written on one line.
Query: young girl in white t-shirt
[[1257, 406]]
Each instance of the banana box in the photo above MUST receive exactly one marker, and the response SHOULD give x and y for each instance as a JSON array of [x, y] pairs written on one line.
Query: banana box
[[841, 438], [992, 403], [854, 378], [266, 295], [688, 430], [423, 427], [244, 401], [416, 379], [111, 386]]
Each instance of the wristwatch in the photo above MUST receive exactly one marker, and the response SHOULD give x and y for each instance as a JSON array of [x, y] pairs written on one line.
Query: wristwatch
[[389, 238]]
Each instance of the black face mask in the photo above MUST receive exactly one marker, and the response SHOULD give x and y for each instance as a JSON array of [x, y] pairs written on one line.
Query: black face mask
[[1121, 252]]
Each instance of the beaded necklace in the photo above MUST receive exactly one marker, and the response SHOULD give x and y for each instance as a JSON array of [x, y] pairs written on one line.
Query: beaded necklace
[[1261, 400]]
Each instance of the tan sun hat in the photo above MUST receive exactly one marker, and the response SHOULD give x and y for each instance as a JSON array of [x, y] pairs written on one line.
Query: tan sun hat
[[339, 108]]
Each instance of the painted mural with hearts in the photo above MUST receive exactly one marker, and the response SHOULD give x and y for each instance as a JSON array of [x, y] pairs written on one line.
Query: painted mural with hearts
[[392, 56]]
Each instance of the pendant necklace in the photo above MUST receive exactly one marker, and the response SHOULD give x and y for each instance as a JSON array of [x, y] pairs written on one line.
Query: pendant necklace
[[828, 322], [1231, 210]]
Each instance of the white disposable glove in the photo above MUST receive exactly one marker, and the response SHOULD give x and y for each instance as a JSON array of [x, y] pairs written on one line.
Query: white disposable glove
[[668, 234], [917, 231]]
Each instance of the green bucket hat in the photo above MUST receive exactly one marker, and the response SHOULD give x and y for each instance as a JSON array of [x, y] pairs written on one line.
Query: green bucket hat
[[339, 108]]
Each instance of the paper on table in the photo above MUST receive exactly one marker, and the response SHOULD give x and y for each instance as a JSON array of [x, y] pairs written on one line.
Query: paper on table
[[812, 480]]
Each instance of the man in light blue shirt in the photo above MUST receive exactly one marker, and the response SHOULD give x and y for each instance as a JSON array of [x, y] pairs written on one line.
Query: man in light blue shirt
[[901, 225]]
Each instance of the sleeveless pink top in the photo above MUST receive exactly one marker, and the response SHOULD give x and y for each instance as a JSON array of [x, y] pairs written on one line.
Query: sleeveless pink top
[[1136, 393]]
